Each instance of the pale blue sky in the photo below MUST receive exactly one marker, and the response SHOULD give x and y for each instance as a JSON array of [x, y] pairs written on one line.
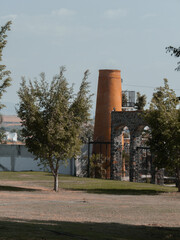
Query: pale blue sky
[[129, 35]]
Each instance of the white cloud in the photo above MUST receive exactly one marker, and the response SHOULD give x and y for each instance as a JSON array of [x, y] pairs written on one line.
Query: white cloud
[[115, 13], [63, 12], [9, 17]]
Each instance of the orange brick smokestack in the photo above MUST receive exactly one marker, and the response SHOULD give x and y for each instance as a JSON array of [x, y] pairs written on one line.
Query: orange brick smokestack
[[109, 97]]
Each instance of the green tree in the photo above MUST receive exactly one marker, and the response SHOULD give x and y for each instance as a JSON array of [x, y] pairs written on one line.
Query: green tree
[[176, 53], [140, 101], [4, 74], [2, 135], [52, 117], [163, 118], [87, 131], [124, 99]]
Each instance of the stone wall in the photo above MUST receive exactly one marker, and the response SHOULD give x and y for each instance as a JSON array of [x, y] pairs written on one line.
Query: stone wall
[[135, 123]]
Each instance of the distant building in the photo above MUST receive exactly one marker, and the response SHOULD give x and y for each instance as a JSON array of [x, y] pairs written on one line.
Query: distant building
[[128, 100], [9, 136]]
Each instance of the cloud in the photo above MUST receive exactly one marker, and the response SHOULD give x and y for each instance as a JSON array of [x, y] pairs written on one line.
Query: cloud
[[63, 12], [115, 13], [9, 17]]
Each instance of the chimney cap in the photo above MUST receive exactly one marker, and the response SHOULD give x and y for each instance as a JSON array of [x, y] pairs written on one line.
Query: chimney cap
[[109, 70]]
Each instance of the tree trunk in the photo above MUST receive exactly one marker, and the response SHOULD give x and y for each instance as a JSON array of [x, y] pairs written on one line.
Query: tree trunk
[[178, 178], [56, 182]]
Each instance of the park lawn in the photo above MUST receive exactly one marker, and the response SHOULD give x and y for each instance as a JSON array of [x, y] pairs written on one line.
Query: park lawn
[[103, 186], [51, 230], [90, 185]]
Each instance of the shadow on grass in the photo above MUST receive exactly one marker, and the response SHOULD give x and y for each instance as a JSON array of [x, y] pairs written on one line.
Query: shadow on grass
[[48, 230], [120, 191], [17, 189]]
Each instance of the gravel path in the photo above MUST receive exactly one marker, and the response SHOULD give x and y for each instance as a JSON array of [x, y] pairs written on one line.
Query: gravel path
[[157, 210]]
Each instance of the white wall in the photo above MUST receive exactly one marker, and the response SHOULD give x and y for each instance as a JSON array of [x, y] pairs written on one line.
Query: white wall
[[17, 158]]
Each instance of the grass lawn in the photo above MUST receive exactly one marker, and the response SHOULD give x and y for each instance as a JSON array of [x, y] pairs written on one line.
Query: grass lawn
[[99, 186], [42, 230]]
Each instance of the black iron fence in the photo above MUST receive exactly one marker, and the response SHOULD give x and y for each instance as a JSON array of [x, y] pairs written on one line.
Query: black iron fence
[[98, 158]]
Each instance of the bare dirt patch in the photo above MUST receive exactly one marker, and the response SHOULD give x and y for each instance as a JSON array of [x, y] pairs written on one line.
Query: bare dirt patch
[[31, 202]]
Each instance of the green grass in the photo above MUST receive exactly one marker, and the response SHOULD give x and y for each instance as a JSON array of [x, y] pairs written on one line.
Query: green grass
[[51, 230], [99, 186], [113, 187]]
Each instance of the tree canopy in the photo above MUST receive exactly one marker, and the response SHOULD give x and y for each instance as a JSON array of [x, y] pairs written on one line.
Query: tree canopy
[[174, 52], [4, 74], [140, 101], [163, 118], [124, 100], [52, 116]]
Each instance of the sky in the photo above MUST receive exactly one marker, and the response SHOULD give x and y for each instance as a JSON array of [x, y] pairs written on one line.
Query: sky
[[129, 35]]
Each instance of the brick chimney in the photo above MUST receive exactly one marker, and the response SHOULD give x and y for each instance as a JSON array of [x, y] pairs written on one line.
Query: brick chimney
[[109, 98]]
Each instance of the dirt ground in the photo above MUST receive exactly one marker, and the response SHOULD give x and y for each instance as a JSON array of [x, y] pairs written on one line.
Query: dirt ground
[[76, 206]]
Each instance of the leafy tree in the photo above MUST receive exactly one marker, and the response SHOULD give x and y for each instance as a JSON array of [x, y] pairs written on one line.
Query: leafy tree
[[140, 101], [13, 130], [52, 117], [163, 118], [174, 52], [4, 74], [87, 131], [19, 136], [2, 135], [124, 100], [98, 166]]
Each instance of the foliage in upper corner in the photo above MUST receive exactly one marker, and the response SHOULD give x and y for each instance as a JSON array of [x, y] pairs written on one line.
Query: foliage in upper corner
[[140, 102], [163, 118], [174, 52], [4, 74]]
